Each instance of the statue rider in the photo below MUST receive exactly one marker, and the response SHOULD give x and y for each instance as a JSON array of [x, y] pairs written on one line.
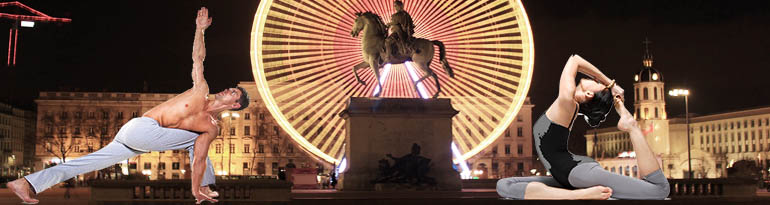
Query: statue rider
[[399, 42]]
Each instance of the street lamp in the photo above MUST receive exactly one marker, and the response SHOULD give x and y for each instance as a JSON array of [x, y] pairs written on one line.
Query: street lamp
[[229, 147], [685, 93]]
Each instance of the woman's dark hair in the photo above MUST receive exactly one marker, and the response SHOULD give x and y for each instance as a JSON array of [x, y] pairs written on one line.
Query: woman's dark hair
[[595, 110], [243, 101]]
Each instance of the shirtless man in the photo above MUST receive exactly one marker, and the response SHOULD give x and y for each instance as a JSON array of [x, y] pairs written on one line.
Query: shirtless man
[[187, 121]]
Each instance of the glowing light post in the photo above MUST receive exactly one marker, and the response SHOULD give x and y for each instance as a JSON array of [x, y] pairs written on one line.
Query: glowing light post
[[229, 139], [685, 93]]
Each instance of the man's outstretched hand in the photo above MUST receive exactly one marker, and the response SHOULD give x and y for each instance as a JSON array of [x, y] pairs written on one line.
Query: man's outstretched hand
[[203, 21], [200, 197]]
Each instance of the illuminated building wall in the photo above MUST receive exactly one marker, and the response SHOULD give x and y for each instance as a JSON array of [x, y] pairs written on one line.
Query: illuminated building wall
[[512, 153], [16, 140]]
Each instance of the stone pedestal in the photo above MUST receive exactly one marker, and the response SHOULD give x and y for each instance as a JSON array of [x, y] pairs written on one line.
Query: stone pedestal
[[379, 126]]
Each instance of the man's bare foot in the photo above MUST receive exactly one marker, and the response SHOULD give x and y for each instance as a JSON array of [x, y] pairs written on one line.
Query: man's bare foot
[[593, 193], [207, 191], [21, 188]]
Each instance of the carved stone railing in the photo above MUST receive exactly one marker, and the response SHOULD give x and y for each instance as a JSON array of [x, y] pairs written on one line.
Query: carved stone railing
[[479, 183], [722, 187], [112, 192]]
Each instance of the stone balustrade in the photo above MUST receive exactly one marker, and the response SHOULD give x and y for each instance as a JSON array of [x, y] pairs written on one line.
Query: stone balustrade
[[721, 187], [244, 190]]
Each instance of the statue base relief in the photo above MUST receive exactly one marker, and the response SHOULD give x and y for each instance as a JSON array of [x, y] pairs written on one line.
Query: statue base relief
[[416, 133]]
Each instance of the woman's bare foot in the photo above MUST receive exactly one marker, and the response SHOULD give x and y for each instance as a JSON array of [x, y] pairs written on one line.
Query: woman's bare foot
[[207, 191], [21, 188], [593, 193]]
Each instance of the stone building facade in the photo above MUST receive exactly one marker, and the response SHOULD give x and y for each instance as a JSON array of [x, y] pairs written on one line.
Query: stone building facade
[[512, 154], [17, 137]]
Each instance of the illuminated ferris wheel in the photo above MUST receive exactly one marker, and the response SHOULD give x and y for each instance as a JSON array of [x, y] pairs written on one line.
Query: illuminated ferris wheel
[[302, 57]]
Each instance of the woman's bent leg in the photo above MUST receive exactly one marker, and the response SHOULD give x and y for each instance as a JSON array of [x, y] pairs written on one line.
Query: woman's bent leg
[[653, 186]]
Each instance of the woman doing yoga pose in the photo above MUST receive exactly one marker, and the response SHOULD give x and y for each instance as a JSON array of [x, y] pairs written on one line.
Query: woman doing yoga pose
[[580, 177]]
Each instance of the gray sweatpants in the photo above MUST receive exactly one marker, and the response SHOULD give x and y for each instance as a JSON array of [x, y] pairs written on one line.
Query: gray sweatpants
[[584, 175], [138, 136]]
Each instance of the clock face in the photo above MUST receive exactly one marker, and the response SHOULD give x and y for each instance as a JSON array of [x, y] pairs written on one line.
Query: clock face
[[303, 53]]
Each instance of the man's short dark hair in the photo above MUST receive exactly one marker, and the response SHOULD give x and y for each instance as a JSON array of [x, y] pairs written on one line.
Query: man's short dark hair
[[244, 100]]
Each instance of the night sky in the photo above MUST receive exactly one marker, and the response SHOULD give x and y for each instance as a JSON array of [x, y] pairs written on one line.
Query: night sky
[[720, 50]]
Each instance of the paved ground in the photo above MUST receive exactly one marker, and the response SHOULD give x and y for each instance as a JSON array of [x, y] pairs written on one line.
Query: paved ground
[[82, 195]]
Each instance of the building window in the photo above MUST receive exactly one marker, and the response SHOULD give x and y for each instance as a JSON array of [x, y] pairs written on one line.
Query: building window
[[519, 149], [507, 149], [638, 114], [507, 133], [147, 165], [246, 130], [162, 166], [261, 116], [646, 111], [519, 132], [232, 148], [245, 165], [105, 115], [232, 131], [275, 129], [646, 94], [134, 114], [261, 168], [275, 148], [494, 150], [120, 115], [246, 148], [175, 165], [655, 93], [290, 149], [77, 115], [519, 166], [218, 148], [656, 113], [637, 94], [247, 116], [261, 148]]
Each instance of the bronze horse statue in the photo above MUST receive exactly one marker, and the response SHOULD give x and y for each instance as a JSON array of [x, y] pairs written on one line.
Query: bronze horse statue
[[373, 47]]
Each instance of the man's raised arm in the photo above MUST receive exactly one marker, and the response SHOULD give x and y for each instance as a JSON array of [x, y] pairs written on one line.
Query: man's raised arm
[[202, 22]]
